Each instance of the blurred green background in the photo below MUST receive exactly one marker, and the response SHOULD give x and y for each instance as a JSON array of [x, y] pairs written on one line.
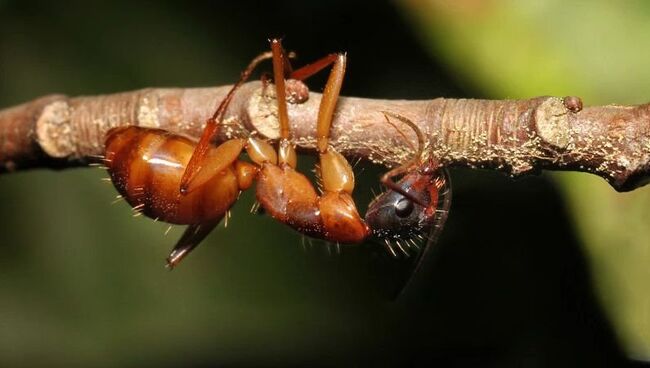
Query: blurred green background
[[543, 271]]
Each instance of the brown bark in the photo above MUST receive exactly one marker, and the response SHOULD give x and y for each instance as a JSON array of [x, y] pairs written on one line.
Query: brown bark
[[516, 137]]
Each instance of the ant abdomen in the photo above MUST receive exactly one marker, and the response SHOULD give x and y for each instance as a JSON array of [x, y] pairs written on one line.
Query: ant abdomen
[[146, 166]]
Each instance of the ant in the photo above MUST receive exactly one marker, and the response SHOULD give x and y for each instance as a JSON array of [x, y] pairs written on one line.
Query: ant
[[177, 180]]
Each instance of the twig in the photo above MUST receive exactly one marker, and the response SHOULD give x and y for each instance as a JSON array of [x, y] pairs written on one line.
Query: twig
[[516, 137]]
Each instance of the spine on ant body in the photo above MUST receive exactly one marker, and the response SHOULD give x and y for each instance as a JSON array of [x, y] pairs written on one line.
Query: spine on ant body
[[146, 166]]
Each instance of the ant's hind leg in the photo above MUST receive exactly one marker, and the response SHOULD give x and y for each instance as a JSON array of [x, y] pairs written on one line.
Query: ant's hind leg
[[211, 129]]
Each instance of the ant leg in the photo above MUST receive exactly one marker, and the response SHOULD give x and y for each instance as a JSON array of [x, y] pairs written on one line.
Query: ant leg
[[200, 168], [210, 161], [336, 172], [338, 211], [287, 69], [279, 63], [215, 160], [192, 236], [197, 161], [265, 78], [386, 179], [286, 151], [303, 72], [282, 69], [328, 102], [313, 68]]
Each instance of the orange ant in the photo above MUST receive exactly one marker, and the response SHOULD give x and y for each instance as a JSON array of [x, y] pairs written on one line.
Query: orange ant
[[172, 178]]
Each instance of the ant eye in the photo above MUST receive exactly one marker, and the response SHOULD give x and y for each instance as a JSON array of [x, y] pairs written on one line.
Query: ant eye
[[403, 207]]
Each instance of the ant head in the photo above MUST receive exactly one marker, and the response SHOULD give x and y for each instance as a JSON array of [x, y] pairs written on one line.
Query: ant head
[[394, 216]]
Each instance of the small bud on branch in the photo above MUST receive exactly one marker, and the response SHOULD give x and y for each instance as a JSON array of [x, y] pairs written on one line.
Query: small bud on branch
[[517, 137]]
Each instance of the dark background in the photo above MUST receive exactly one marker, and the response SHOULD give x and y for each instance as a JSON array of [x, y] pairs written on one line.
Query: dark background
[[83, 284]]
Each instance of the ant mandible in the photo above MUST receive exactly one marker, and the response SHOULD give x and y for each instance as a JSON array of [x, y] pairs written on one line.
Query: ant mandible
[[171, 178]]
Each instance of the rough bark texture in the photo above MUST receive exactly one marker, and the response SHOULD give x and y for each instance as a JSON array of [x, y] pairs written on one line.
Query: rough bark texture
[[517, 137]]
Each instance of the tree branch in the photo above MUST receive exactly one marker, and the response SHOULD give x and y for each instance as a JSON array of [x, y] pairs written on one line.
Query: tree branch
[[517, 137]]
